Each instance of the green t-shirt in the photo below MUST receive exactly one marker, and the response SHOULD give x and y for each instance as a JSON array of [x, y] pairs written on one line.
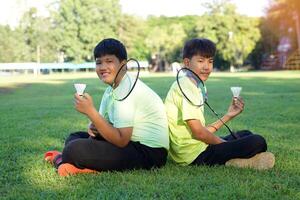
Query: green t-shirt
[[143, 110], [183, 148]]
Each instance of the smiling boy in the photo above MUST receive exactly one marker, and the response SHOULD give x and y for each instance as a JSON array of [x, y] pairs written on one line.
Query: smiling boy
[[123, 135]]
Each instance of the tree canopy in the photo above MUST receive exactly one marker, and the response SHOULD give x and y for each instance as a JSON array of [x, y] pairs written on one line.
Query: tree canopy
[[73, 29]]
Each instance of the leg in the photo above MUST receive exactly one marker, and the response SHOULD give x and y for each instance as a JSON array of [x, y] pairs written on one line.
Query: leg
[[244, 147], [101, 155], [240, 134], [76, 135], [55, 157]]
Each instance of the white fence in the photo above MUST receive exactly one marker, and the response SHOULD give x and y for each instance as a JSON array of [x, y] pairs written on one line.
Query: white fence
[[37, 68]]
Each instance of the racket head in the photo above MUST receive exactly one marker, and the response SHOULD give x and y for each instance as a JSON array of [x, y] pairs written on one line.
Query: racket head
[[126, 80], [191, 87]]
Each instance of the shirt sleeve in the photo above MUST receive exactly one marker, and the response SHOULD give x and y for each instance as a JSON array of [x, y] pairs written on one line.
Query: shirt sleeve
[[190, 111]]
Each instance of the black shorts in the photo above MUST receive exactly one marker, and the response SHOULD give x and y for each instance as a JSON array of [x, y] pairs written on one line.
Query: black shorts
[[246, 146], [98, 154]]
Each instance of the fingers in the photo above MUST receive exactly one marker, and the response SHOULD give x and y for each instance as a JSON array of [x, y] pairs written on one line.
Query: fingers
[[87, 96], [91, 125], [239, 103], [82, 97], [77, 96], [84, 103], [90, 132], [240, 99], [93, 128], [76, 103]]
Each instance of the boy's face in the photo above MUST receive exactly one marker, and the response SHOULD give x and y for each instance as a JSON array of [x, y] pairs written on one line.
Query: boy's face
[[107, 68], [202, 66]]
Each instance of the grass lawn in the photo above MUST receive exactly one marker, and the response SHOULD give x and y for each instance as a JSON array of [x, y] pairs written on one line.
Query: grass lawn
[[37, 114]]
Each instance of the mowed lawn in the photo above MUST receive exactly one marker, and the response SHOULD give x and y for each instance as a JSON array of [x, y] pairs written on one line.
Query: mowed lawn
[[37, 114]]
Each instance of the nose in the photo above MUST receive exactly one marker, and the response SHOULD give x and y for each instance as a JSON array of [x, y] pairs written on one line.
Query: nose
[[100, 65], [206, 65]]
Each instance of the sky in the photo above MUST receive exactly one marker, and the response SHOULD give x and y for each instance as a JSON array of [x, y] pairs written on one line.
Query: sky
[[11, 10]]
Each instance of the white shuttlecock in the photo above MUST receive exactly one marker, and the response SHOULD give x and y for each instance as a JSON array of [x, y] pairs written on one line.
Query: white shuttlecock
[[80, 87], [236, 91]]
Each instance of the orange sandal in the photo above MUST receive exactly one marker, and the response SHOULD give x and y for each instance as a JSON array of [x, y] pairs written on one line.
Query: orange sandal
[[67, 169], [51, 155]]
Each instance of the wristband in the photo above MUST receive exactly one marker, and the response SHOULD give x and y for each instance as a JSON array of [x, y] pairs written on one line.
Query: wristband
[[213, 127]]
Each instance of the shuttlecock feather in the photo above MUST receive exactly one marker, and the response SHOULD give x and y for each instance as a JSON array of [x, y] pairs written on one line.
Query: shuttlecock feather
[[80, 88], [236, 91]]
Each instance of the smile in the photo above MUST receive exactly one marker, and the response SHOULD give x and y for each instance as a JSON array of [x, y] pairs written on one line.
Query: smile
[[104, 74]]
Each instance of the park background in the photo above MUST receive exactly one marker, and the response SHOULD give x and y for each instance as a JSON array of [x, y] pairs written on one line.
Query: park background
[[71, 28], [260, 54]]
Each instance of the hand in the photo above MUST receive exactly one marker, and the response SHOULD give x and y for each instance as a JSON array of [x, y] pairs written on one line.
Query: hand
[[236, 107], [222, 140], [84, 103], [90, 132], [93, 130]]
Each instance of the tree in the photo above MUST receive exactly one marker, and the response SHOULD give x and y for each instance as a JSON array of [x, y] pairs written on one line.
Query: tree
[[12, 45], [81, 24], [132, 31], [235, 35], [282, 20], [166, 37], [37, 35]]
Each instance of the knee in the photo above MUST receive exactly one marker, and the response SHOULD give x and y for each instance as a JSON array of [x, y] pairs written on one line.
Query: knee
[[74, 136], [260, 143], [70, 152]]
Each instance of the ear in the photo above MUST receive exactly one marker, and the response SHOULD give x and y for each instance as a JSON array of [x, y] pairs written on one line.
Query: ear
[[186, 62], [123, 62]]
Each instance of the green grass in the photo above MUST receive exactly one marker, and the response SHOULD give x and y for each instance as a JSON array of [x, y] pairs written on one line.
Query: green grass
[[37, 114]]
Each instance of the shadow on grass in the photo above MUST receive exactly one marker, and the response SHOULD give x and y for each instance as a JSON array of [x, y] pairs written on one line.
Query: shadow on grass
[[11, 88]]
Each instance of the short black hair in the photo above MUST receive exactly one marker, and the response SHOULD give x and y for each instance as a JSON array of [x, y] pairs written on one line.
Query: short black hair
[[110, 46], [199, 46]]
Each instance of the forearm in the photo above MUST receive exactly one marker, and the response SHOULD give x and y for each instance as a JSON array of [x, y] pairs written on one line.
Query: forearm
[[218, 124], [201, 133], [107, 131], [209, 138]]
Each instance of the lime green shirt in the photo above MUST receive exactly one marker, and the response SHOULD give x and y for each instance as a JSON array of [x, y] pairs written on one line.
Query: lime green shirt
[[183, 148], [143, 110]]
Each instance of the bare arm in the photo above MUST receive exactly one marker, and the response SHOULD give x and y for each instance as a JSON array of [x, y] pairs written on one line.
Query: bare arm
[[202, 133], [117, 136], [235, 108]]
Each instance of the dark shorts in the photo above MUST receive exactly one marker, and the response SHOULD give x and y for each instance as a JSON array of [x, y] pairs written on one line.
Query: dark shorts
[[246, 146], [84, 151]]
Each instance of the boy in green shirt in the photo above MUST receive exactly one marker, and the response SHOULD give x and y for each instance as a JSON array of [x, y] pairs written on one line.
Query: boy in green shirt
[[194, 143]]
